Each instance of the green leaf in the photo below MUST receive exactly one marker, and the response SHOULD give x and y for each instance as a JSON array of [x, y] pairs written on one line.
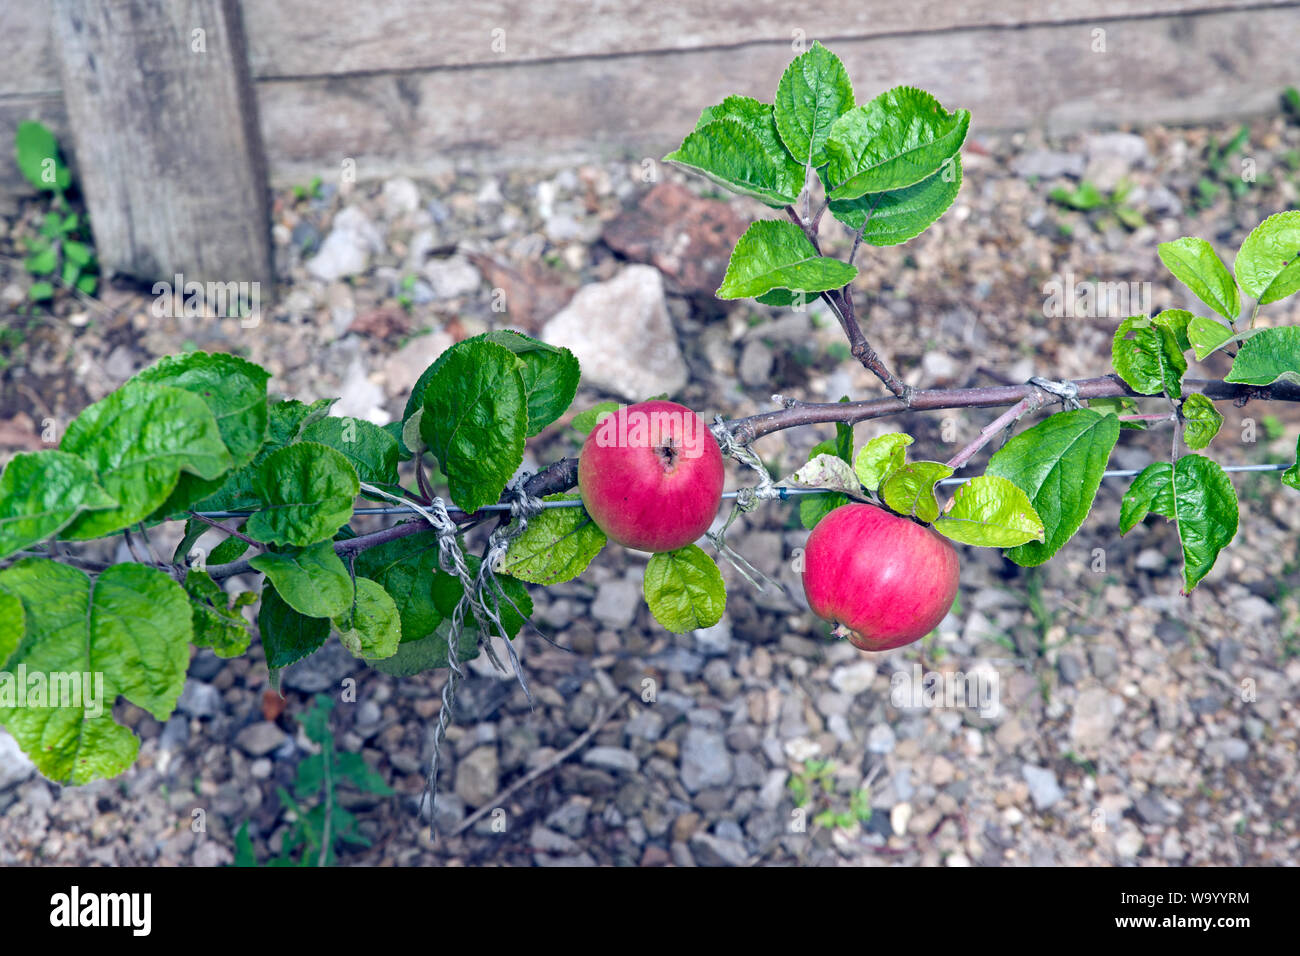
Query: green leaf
[[372, 627], [557, 545], [42, 263], [406, 568], [1176, 321], [129, 627], [41, 493], [1196, 265], [229, 550], [77, 252], [900, 138], [13, 624], [312, 581], [550, 376], [1199, 496], [777, 255], [40, 291], [990, 512], [514, 604], [1150, 493], [1122, 405], [879, 457], [1268, 263], [235, 391], [1290, 477], [1207, 335], [812, 508], [475, 420], [910, 490], [216, 623], [1201, 420], [428, 653], [289, 418], [1268, 356], [1147, 357], [736, 156], [684, 589], [37, 153], [901, 214], [371, 450], [139, 440], [1059, 464], [305, 491], [585, 421], [814, 92], [287, 636], [827, 471]]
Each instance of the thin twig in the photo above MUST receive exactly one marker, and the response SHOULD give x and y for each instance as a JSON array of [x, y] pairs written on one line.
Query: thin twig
[[213, 523], [551, 764], [1005, 420]]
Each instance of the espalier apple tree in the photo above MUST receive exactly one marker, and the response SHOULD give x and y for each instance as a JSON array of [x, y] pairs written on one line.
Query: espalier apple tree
[[194, 438]]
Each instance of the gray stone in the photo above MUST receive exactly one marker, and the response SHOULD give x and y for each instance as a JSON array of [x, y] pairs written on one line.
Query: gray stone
[[1047, 164], [571, 816], [1252, 611], [399, 197], [1104, 661], [452, 277], [346, 250], [175, 734], [714, 641], [206, 665], [260, 739], [881, 739], [756, 361], [710, 850], [622, 334], [743, 737], [705, 761], [478, 776], [645, 725], [749, 771], [1227, 653], [1152, 808], [544, 840], [679, 660], [323, 670], [616, 603], [853, 679], [612, 758], [1043, 788], [1229, 748], [1070, 669], [199, 699], [14, 765], [1093, 719]]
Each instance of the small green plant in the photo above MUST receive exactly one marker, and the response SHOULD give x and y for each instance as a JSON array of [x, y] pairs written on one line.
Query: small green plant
[[816, 783], [310, 191], [1221, 172], [316, 829], [1291, 103], [1111, 207], [404, 292], [63, 246]]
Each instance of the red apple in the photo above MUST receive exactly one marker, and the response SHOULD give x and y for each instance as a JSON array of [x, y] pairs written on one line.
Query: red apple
[[651, 476], [888, 580]]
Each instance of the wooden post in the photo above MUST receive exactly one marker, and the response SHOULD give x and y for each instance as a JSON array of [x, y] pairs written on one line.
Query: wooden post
[[167, 146]]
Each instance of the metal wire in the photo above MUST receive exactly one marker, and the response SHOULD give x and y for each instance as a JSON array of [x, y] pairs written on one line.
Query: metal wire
[[782, 492]]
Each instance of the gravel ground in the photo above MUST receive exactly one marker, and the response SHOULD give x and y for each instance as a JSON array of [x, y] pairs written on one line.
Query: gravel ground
[[1136, 727]]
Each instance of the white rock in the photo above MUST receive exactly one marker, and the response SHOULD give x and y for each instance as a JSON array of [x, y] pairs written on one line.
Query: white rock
[[621, 333], [853, 679], [346, 250], [1093, 720], [451, 277], [899, 817], [400, 196], [361, 398]]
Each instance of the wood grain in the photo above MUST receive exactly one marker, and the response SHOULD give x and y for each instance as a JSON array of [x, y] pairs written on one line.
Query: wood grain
[[165, 135]]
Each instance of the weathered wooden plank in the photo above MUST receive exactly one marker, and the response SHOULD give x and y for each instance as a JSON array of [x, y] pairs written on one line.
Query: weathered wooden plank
[[304, 38], [1169, 69], [163, 122], [27, 61]]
